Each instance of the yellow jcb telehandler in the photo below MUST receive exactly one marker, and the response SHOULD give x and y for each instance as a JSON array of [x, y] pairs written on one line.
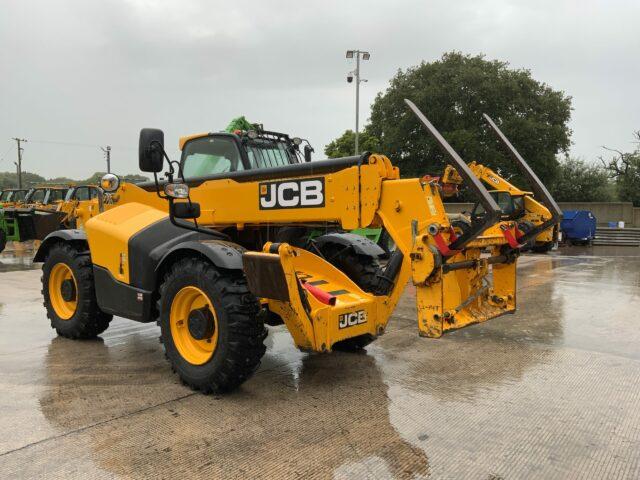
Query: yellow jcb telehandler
[[215, 250], [538, 218]]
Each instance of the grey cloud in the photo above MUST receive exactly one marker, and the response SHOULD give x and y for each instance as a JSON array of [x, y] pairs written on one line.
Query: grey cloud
[[95, 73]]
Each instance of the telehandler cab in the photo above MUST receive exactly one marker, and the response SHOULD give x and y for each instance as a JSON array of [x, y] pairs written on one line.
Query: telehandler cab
[[215, 250], [538, 218]]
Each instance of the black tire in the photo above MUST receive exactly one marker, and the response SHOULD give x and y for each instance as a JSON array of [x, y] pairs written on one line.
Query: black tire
[[460, 227], [364, 271], [240, 333], [386, 243], [88, 321], [544, 248], [3, 240]]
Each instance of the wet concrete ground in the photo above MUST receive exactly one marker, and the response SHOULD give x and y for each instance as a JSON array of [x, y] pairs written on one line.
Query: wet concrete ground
[[551, 392]]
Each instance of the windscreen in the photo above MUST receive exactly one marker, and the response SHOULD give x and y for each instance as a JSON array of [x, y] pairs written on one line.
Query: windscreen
[[504, 200], [56, 195], [4, 196], [18, 195], [37, 196], [267, 153], [81, 193], [518, 204], [210, 156]]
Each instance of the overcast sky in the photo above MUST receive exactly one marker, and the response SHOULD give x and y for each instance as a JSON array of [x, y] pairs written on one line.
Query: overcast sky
[[85, 73]]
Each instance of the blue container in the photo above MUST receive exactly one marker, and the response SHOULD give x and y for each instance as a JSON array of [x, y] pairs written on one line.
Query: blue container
[[578, 226]]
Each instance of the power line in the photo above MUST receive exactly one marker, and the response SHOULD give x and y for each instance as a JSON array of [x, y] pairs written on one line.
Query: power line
[[6, 152], [68, 144], [72, 144]]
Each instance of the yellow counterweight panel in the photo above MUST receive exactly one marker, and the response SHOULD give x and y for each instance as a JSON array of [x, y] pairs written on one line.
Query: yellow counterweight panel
[[108, 235], [319, 326]]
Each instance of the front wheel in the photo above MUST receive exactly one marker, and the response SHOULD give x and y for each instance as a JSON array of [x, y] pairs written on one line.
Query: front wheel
[[3, 240], [69, 293], [210, 328]]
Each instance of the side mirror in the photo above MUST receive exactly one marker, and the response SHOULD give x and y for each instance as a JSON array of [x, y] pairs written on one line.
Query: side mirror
[[185, 209], [151, 150], [308, 150]]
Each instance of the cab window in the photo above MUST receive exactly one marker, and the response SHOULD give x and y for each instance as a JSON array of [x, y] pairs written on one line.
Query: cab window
[[267, 153], [518, 204], [17, 195], [210, 156], [37, 196], [504, 201], [56, 195], [83, 193]]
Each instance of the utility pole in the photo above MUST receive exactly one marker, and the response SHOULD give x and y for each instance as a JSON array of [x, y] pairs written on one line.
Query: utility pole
[[107, 154], [356, 73], [19, 164]]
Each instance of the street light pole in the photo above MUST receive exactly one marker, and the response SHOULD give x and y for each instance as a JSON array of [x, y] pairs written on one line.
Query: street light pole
[[107, 153], [19, 164], [357, 102], [356, 74]]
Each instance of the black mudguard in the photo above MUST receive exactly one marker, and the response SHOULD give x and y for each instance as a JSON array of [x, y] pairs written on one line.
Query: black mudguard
[[59, 236], [361, 245], [221, 253]]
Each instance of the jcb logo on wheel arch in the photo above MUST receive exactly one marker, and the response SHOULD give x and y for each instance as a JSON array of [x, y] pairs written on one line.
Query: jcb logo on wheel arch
[[351, 319], [307, 193]]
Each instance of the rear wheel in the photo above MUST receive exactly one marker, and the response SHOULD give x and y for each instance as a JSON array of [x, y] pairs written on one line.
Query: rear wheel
[[543, 248], [364, 271], [3, 239], [69, 293], [210, 328]]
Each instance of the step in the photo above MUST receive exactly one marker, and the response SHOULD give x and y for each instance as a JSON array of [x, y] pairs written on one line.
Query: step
[[616, 243], [624, 237]]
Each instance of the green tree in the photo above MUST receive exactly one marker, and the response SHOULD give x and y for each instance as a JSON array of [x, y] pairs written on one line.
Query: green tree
[[453, 93], [578, 181], [624, 168], [10, 179], [344, 146]]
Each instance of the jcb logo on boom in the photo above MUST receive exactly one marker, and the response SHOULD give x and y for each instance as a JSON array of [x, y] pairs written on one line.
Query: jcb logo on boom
[[351, 319], [307, 193]]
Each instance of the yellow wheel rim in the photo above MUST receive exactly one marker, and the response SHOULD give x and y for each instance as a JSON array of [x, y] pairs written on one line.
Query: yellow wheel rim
[[189, 308], [63, 291]]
